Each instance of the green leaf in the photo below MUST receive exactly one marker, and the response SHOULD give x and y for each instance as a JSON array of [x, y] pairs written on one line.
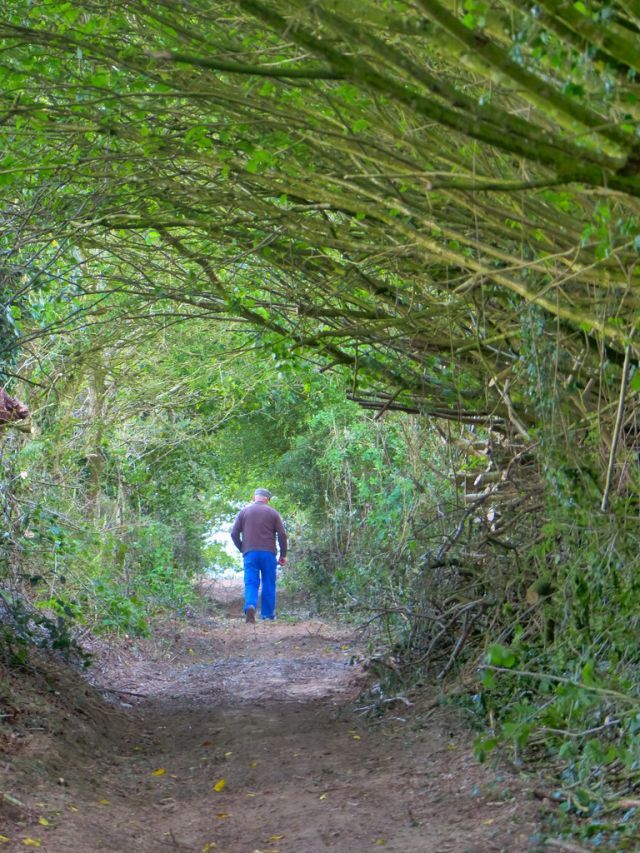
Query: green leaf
[[260, 160], [483, 746], [498, 655], [360, 125], [267, 88], [588, 674]]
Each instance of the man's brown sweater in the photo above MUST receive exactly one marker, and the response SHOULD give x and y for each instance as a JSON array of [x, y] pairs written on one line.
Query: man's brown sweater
[[256, 527]]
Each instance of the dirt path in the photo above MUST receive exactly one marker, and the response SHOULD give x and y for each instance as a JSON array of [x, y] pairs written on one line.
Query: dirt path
[[245, 739]]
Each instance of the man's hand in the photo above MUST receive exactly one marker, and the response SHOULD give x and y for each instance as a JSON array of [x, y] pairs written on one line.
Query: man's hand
[[282, 561]]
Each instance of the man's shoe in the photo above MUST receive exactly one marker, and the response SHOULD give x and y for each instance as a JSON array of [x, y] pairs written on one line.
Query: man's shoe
[[250, 614]]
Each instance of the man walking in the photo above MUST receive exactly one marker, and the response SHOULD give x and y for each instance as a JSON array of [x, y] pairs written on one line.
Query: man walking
[[254, 534]]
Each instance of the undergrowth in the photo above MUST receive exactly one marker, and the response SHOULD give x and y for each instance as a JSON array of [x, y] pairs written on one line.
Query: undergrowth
[[505, 584], [565, 694]]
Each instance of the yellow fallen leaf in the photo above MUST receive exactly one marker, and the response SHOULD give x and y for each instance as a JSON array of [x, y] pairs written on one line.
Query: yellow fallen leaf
[[102, 803], [488, 822], [4, 839], [73, 809], [43, 821], [380, 842], [344, 649], [251, 794], [224, 815], [227, 754], [323, 796], [356, 737], [253, 764], [276, 838], [31, 842], [191, 652], [220, 785], [159, 772], [210, 845]]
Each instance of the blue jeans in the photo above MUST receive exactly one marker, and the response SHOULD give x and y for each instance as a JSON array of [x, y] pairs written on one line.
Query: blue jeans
[[260, 565]]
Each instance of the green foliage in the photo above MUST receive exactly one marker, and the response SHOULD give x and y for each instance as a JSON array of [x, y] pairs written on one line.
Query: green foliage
[[108, 506], [156, 574], [573, 699], [364, 488], [118, 611], [119, 192], [22, 627]]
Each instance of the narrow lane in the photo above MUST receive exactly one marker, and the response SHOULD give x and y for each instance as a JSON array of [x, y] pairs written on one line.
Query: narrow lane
[[241, 739]]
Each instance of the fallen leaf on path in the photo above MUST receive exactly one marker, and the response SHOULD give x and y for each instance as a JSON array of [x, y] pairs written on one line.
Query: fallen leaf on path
[[31, 842], [224, 815], [227, 754], [159, 772], [323, 796], [488, 822], [276, 838], [356, 737], [253, 764], [380, 842], [344, 649], [73, 809], [4, 839], [102, 803], [43, 821], [251, 794], [220, 785], [210, 845]]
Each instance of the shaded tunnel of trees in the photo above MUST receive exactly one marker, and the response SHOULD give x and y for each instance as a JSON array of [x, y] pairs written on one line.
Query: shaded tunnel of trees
[[381, 253]]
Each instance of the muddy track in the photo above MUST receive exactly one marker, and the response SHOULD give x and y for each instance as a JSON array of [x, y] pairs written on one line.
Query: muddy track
[[238, 738]]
